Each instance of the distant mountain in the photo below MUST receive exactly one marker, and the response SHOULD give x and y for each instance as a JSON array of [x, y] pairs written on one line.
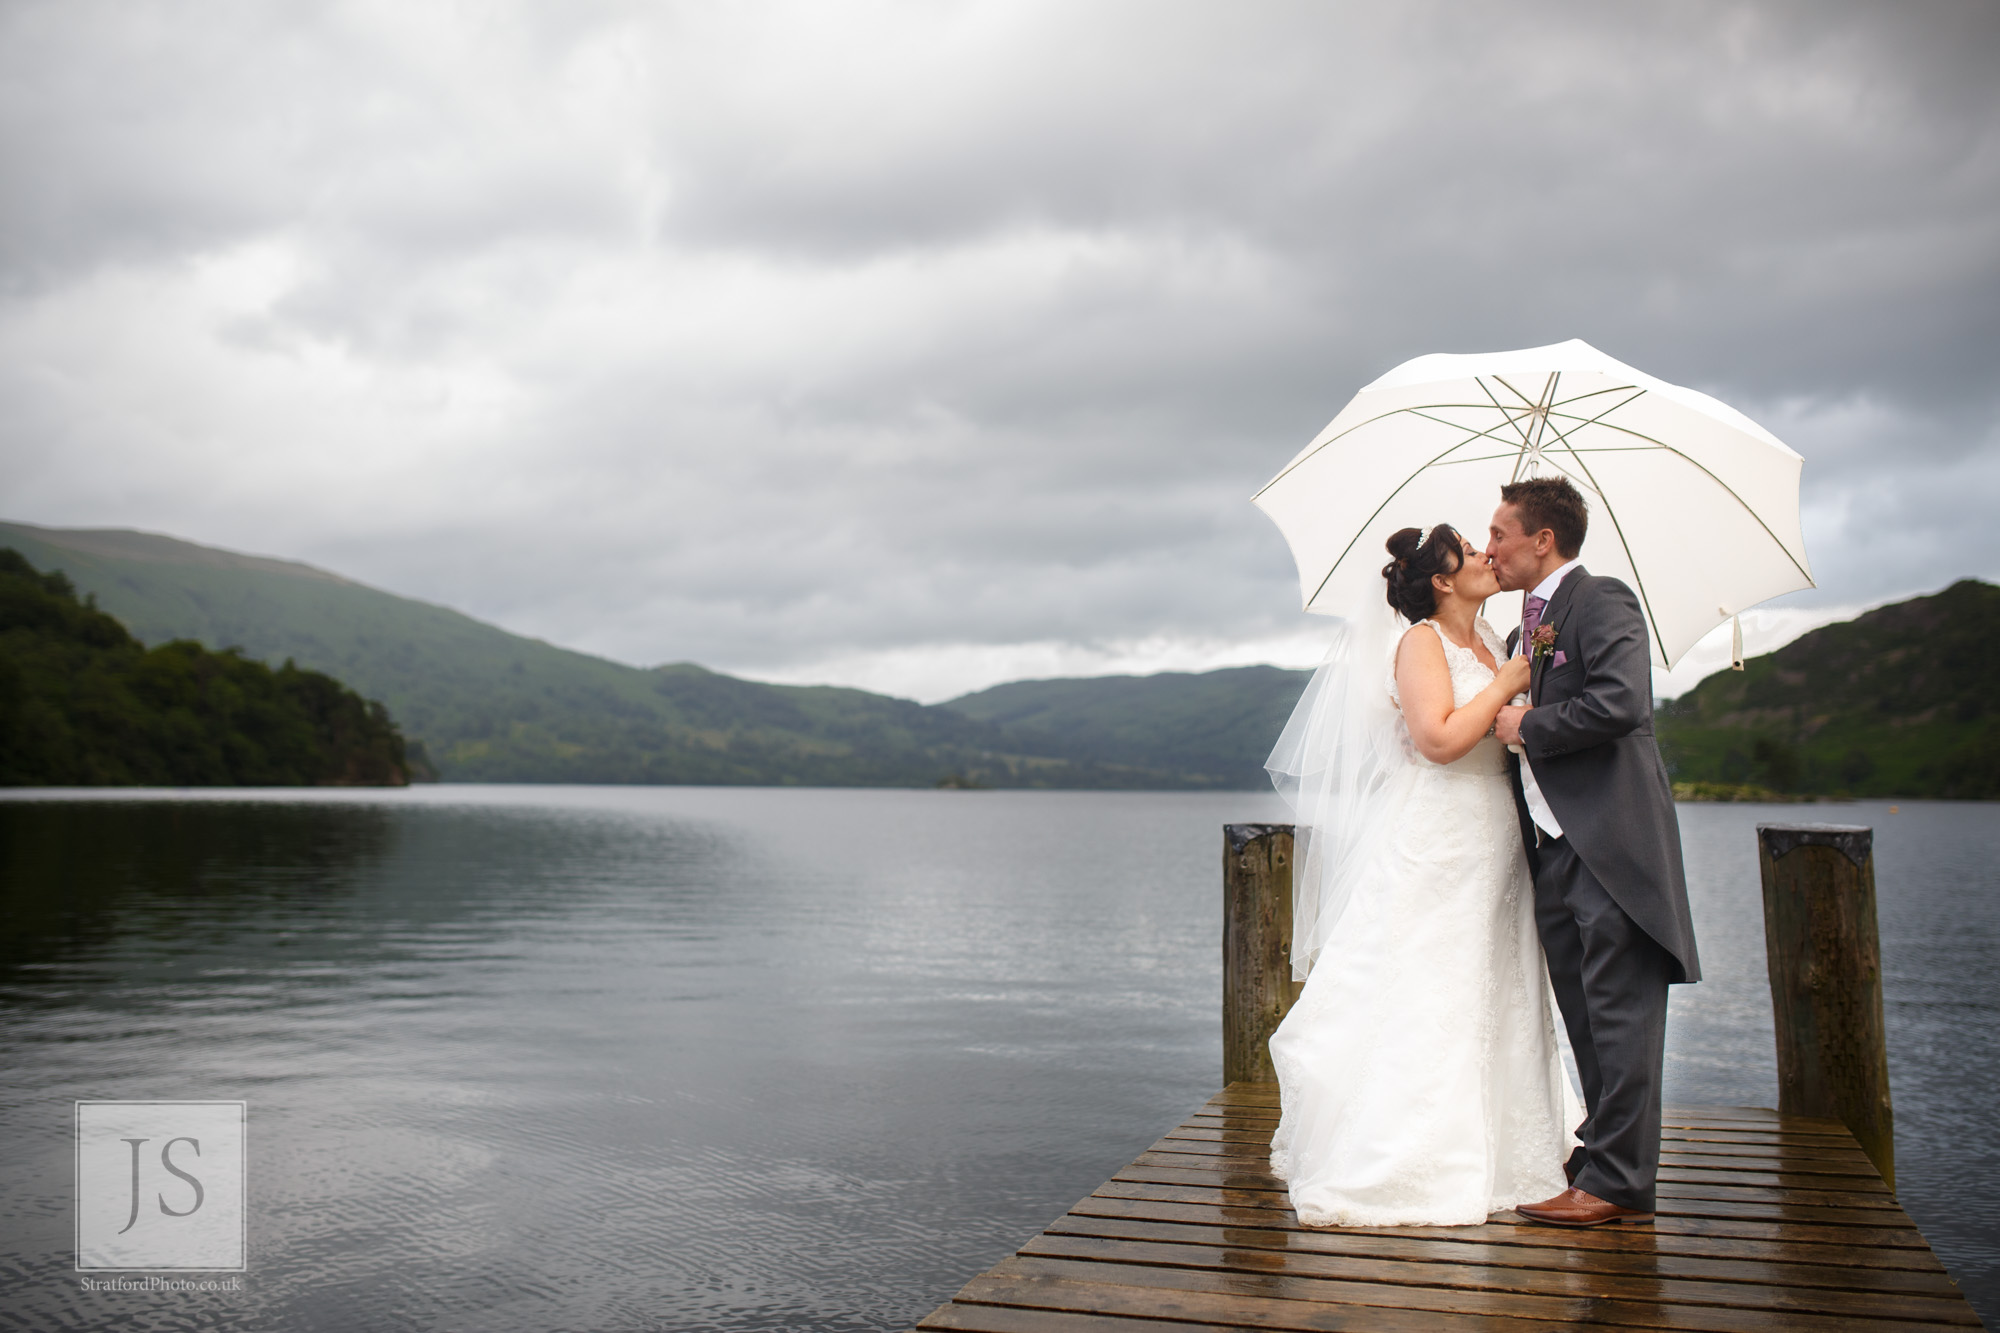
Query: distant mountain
[[496, 707], [84, 704], [1221, 722], [1902, 701]]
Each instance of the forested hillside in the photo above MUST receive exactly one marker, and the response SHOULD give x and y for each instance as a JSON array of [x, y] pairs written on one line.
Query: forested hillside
[[83, 703], [1898, 702], [490, 706]]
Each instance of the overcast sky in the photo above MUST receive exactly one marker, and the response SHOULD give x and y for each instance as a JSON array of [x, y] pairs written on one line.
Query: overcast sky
[[922, 346]]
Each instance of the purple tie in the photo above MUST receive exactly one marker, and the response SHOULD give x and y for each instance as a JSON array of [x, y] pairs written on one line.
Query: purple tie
[[1531, 619]]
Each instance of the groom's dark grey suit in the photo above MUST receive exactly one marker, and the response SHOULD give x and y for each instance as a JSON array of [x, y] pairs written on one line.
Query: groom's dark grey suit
[[1610, 893]]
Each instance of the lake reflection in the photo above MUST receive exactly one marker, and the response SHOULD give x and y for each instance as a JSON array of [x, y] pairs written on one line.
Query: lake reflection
[[536, 1058]]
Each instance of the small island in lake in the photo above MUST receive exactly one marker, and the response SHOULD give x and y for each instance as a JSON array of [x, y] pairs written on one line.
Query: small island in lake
[[84, 704]]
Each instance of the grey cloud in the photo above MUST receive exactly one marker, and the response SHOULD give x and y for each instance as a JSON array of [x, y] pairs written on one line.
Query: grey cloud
[[820, 330]]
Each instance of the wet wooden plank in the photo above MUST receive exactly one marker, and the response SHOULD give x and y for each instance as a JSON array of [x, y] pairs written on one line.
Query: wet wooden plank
[[974, 1317], [1899, 1233], [1510, 1278], [1791, 1157], [1436, 1301], [1144, 1306], [1900, 1246], [1764, 1223], [1694, 1258], [1776, 1188], [1753, 1134]]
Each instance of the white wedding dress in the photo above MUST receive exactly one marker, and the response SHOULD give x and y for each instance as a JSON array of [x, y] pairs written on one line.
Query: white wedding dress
[[1420, 1078]]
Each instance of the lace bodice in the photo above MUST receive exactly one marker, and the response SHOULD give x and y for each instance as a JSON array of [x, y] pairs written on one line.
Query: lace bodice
[[1469, 675]]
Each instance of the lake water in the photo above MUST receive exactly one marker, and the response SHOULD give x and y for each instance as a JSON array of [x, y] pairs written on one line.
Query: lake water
[[525, 1058]]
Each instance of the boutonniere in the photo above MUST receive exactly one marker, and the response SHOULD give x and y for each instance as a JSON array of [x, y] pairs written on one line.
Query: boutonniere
[[1544, 641]]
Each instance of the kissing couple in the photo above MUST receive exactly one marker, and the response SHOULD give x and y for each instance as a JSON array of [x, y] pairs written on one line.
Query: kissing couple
[[1480, 832]]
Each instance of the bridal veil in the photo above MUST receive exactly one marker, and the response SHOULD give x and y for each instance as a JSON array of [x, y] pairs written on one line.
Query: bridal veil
[[1345, 765]]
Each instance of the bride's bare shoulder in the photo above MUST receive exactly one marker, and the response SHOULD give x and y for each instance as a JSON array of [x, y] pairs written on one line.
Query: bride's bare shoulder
[[1421, 632], [1420, 643]]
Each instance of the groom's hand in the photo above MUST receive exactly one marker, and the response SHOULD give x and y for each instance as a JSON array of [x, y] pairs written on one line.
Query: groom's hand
[[1507, 726]]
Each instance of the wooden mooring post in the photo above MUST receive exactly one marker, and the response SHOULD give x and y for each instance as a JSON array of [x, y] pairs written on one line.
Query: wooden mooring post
[[1257, 985], [1825, 958]]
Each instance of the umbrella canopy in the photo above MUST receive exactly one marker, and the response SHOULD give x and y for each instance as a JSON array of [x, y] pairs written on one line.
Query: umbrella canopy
[[1691, 503]]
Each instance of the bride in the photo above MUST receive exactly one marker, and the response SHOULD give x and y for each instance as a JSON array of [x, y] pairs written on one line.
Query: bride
[[1419, 1077]]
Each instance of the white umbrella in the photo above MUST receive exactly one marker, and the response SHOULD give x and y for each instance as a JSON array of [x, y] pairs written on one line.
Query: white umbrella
[[1692, 503]]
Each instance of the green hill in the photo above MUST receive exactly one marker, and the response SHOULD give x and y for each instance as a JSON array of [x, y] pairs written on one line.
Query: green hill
[[83, 703], [1898, 702], [1891, 704], [496, 707], [1221, 722]]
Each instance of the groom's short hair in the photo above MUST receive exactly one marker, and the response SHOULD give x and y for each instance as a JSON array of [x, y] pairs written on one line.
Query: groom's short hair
[[1552, 503]]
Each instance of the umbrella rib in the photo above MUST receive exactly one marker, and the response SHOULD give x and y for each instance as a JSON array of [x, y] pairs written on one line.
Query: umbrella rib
[[1530, 446], [1513, 416], [1562, 436], [1372, 517], [1609, 448], [1531, 441], [1576, 420], [1487, 390], [1476, 435], [1481, 382], [1526, 401], [1542, 407], [1727, 488], [1610, 388], [1481, 458], [1417, 409], [1619, 528]]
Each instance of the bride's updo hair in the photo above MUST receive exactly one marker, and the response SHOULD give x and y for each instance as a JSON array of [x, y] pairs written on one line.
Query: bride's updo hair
[[1417, 558]]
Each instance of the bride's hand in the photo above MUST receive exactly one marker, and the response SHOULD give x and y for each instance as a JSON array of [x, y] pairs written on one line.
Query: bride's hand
[[1513, 675]]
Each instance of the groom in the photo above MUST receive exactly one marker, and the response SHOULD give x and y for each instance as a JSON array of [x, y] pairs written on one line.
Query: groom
[[1597, 815]]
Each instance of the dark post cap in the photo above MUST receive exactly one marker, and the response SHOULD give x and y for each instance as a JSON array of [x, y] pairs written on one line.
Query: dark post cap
[[1242, 835], [1854, 841]]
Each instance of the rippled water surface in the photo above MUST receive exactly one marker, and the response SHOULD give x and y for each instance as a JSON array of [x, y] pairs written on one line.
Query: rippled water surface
[[677, 1058]]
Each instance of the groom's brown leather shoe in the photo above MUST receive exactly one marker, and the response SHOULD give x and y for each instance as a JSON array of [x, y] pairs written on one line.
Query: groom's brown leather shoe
[[1574, 1208]]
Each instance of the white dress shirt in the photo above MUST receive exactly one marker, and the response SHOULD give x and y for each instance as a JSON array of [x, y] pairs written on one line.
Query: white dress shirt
[[1538, 804]]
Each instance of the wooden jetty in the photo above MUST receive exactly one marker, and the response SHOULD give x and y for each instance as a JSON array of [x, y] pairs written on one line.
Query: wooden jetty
[[1768, 1221]]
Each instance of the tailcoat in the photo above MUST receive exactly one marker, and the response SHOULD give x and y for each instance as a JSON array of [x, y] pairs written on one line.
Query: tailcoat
[[1589, 735]]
